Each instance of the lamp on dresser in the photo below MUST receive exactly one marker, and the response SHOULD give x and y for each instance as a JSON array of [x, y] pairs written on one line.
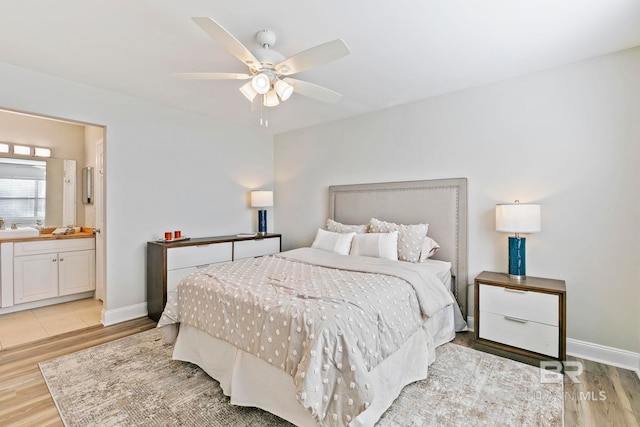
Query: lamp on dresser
[[262, 199], [517, 218]]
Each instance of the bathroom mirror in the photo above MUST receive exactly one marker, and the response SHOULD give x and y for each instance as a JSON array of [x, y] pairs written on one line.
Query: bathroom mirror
[[32, 190]]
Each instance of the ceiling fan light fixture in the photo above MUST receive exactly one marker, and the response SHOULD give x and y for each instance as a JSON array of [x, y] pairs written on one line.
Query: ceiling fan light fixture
[[248, 92], [270, 99], [261, 83], [283, 89]]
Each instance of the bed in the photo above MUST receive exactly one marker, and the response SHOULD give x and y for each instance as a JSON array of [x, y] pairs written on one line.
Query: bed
[[324, 338]]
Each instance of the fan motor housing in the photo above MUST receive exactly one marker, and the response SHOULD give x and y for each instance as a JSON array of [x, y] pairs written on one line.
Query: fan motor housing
[[269, 58]]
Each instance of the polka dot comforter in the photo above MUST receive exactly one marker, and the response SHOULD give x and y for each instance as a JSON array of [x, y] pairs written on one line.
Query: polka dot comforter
[[325, 319]]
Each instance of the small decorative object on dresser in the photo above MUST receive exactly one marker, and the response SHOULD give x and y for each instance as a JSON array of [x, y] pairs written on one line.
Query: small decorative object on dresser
[[528, 319], [169, 262]]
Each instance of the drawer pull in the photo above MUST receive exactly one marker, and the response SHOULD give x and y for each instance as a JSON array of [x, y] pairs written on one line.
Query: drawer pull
[[202, 265], [515, 319], [515, 291]]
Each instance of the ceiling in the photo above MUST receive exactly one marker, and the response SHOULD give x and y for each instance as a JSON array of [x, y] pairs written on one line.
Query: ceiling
[[401, 51]]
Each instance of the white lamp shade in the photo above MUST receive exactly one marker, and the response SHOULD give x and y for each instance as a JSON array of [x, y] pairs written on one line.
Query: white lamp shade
[[261, 199], [518, 218], [271, 99], [261, 83], [248, 92], [283, 89]]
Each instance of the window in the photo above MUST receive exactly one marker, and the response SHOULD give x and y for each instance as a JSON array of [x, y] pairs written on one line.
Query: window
[[22, 191]]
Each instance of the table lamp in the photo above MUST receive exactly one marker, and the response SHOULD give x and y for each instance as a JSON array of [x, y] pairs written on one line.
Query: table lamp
[[262, 199], [517, 218]]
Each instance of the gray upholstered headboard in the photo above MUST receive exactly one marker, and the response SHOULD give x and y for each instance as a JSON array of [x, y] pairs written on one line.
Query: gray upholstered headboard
[[441, 203]]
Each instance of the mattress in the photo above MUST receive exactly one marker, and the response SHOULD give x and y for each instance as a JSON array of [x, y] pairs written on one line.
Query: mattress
[[441, 269]]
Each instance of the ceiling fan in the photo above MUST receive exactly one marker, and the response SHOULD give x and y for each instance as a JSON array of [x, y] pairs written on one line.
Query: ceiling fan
[[268, 68]]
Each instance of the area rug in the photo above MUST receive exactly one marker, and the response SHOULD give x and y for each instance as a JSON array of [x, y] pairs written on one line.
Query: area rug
[[133, 382]]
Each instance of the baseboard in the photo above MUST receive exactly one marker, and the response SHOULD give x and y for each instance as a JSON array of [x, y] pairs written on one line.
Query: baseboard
[[118, 315], [608, 355]]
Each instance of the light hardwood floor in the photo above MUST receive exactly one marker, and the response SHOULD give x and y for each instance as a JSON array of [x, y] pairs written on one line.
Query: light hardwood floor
[[602, 395], [25, 399]]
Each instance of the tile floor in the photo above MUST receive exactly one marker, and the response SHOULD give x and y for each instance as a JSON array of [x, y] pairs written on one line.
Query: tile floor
[[38, 323]]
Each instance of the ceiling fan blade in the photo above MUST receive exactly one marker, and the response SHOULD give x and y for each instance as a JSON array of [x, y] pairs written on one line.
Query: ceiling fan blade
[[228, 41], [313, 91], [211, 76], [313, 57]]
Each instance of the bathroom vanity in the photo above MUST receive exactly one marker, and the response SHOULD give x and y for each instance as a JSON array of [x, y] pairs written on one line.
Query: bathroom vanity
[[46, 269]]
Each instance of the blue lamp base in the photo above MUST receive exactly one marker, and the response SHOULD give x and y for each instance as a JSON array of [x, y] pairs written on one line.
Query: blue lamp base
[[262, 222], [517, 262]]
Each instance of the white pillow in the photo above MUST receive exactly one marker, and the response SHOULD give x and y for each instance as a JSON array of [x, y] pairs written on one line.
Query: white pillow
[[410, 237], [338, 227], [429, 248], [339, 243], [379, 245]]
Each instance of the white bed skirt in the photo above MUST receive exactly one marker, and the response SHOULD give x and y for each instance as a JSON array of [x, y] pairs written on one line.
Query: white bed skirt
[[250, 381]]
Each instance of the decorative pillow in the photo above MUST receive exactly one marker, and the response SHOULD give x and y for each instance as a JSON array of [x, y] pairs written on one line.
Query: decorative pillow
[[429, 248], [410, 237], [339, 243], [379, 245], [338, 227]]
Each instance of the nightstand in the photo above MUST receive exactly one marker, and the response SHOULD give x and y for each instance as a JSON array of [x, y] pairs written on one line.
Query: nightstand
[[526, 317]]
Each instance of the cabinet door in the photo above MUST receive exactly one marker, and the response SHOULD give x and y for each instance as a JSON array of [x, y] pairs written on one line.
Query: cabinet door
[[76, 272], [35, 277]]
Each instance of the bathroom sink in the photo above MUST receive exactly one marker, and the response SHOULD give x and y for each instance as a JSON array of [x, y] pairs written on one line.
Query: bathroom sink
[[19, 233]]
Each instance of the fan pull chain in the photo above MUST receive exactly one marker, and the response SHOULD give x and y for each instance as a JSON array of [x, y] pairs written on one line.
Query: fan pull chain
[[261, 110], [264, 113]]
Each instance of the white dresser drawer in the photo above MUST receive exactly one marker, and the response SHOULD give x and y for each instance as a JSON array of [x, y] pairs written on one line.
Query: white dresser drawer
[[174, 277], [195, 255], [529, 305], [253, 248], [527, 335]]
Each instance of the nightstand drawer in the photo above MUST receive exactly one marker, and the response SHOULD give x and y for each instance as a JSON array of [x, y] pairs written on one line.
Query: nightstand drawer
[[193, 256], [523, 334], [528, 305]]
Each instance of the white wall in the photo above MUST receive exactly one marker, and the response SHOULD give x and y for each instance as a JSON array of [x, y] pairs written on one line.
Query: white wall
[[567, 138], [165, 170]]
